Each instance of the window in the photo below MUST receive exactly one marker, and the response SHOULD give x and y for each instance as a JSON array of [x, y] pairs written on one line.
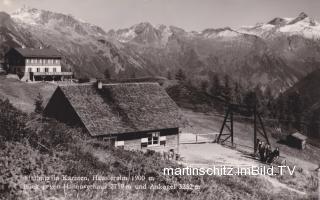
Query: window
[[153, 139], [38, 69], [57, 61], [46, 69], [119, 144], [54, 70], [110, 140], [29, 69], [27, 60], [163, 140]]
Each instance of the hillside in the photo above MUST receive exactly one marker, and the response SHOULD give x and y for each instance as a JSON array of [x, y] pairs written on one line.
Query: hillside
[[39, 147], [307, 91], [269, 54], [308, 88], [22, 95]]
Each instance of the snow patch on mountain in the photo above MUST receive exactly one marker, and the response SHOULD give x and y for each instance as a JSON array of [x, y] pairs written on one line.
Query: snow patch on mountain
[[307, 27], [303, 25], [126, 36], [224, 33], [26, 15]]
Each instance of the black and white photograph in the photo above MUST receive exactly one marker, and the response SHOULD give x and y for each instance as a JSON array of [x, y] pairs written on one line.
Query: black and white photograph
[[159, 99]]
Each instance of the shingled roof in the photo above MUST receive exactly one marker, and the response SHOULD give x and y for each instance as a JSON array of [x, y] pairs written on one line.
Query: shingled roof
[[38, 53], [299, 136], [122, 108]]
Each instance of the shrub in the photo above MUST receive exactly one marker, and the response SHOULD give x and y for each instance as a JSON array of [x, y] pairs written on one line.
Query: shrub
[[12, 121], [84, 80], [38, 104]]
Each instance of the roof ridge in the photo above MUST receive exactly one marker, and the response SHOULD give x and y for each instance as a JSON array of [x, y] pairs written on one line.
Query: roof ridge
[[108, 84], [130, 83]]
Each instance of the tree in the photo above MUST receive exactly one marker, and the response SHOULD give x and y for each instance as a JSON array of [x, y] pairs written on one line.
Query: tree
[[313, 125], [237, 91], [216, 88], [227, 90], [133, 75], [280, 108], [38, 104], [295, 108], [268, 93], [169, 76], [250, 99], [180, 75], [204, 85], [107, 74], [268, 101], [258, 91], [12, 122]]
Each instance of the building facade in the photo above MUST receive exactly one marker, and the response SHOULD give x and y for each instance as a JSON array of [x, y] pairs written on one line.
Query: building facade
[[135, 116], [36, 64]]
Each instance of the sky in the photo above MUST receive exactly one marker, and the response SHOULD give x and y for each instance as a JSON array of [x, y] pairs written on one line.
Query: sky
[[193, 15]]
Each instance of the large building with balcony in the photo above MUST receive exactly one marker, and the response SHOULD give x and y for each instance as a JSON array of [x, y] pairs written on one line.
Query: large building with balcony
[[36, 64]]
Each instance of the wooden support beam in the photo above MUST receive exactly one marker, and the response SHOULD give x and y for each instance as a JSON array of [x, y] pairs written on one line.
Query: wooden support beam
[[263, 129], [228, 118], [231, 124], [254, 130], [223, 124], [226, 139]]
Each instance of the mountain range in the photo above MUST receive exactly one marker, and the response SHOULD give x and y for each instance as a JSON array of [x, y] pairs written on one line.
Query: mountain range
[[274, 54]]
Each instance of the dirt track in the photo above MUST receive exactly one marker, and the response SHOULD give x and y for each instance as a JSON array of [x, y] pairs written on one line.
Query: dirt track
[[213, 154]]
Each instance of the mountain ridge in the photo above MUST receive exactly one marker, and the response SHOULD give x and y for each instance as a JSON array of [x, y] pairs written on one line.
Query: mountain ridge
[[269, 57]]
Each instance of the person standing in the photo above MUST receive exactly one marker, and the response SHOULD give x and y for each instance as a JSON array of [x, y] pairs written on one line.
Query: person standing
[[262, 152], [258, 146]]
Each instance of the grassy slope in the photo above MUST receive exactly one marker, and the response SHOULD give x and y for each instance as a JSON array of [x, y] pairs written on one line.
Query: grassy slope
[[86, 158], [21, 94]]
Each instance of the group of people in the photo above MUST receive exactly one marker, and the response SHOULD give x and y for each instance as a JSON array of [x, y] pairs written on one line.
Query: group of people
[[265, 152]]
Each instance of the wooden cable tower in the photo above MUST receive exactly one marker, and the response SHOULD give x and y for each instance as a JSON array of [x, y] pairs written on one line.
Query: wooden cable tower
[[258, 126]]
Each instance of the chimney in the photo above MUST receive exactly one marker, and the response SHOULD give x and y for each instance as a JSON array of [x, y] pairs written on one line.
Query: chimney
[[99, 84], [23, 46]]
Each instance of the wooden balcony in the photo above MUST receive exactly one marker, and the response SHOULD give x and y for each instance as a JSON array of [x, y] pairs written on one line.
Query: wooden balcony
[[51, 73], [49, 76]]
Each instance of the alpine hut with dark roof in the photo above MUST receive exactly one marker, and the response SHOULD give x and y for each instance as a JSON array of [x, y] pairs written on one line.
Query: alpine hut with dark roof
[[131, 115], [32, 64], [297, 140]]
